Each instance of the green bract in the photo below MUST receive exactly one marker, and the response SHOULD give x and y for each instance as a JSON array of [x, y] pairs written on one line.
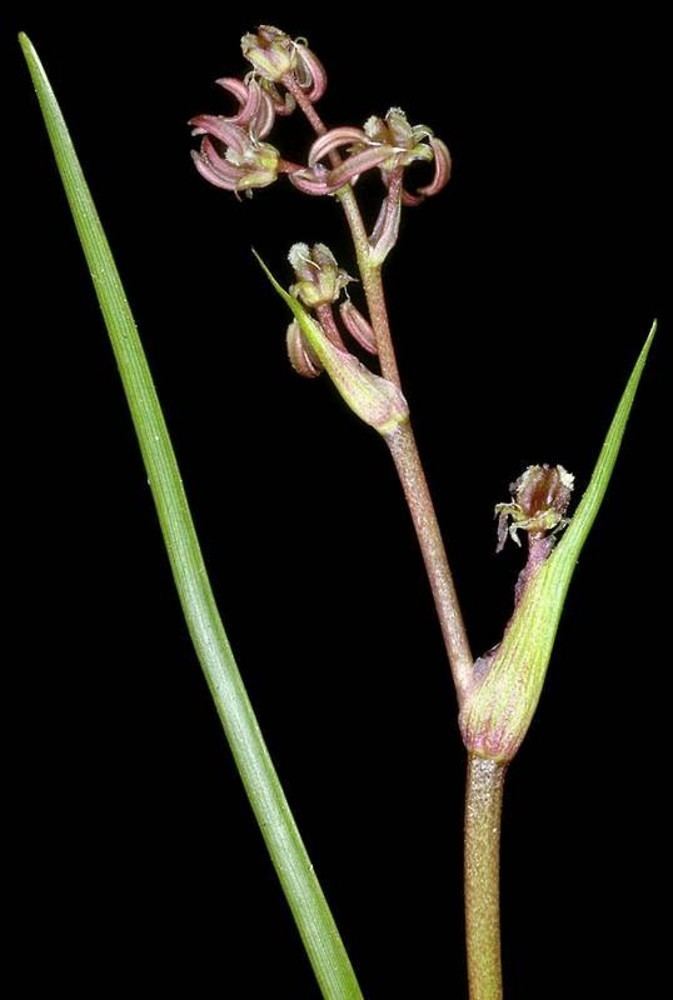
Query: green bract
[[374, 399], [499, 707]]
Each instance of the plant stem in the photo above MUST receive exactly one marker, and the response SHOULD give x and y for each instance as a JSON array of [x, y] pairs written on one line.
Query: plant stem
[[483, 810], [372, 283], [405, 455], [402, 443]]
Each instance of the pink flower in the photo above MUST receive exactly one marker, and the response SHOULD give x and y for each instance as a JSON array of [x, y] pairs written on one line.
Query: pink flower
[[231, 158], [256, 111], [388, 144], [275, 55], [319, 277]]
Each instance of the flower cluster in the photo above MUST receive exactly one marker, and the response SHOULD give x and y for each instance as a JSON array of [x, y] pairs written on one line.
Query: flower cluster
[[235, 154], [232, 155], [286, 72]]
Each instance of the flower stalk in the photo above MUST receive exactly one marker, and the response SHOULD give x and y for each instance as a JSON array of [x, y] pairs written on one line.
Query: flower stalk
[[402, 443]]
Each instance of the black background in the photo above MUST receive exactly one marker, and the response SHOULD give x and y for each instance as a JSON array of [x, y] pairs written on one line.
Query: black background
[[520, 298]]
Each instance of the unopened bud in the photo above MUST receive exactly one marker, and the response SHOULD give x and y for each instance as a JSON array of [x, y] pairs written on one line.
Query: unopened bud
[[320, 278]]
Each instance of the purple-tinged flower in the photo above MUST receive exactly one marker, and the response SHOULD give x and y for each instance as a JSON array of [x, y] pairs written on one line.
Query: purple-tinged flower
[[283, 104], [302, 358], [314, 182], [256, 110], [275, 55], [320, 279], [358, 327], [408, 142], [540, 499], [310, 73], [319, 285], [318, 179], [333, 140], [364, 155], [442, 167], [271, 52], [231, 158], [390, 145], [411, 142]]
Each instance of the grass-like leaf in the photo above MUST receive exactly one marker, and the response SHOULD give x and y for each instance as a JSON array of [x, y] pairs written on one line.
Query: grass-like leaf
[[315, 922]]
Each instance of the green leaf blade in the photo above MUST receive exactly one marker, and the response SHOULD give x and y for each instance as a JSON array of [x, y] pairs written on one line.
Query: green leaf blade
[[314, 920], [568, 550]]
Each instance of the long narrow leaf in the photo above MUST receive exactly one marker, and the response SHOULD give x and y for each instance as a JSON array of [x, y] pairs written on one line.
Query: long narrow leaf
[[309, 907]]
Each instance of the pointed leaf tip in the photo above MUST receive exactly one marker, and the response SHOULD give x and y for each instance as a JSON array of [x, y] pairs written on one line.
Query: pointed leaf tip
[[581, 522]]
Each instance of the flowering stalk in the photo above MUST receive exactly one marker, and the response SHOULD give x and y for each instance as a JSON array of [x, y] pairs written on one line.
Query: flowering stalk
[[402, 444]]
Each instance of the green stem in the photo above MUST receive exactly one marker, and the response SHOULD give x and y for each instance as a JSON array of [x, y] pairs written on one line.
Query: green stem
[[315, 922], [483, 811]]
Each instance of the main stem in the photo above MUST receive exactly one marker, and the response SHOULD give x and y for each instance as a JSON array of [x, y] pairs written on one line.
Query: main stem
[[483, 811], [404, 451], [402, 443]]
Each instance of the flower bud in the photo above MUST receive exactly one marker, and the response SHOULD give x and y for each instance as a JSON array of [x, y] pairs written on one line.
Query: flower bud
[[320, 278]]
